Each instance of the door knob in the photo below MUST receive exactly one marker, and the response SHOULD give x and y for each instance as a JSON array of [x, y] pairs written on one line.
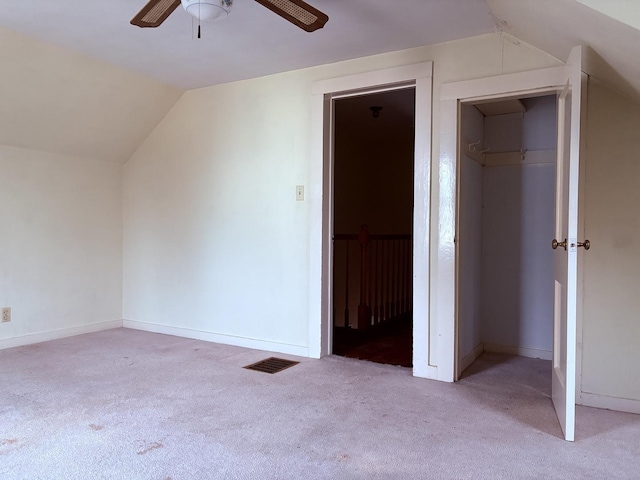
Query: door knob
[[586, 244], [555, 244]]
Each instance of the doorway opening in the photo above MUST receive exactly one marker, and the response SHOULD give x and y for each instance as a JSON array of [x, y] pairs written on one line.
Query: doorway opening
[[373, 179], [505, 220]]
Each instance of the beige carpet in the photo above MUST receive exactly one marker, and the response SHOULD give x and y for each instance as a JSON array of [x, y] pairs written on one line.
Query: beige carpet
[[124, 404]]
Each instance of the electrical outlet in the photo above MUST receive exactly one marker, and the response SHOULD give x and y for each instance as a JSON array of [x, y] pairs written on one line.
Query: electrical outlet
[[6, 315], [299, 193]]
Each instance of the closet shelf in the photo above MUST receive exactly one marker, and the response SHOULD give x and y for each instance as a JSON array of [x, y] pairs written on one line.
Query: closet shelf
[[486, 158], [523, 157]]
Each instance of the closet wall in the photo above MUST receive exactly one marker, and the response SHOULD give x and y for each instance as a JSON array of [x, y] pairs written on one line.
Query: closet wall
[[506, 220]]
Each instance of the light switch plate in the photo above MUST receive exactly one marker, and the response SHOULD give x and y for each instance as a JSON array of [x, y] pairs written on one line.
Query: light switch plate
[[299, 193]]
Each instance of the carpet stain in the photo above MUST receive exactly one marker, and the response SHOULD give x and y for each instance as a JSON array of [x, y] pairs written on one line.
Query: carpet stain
[[152, 446], [8, 441], [95, 427], [344, 457]]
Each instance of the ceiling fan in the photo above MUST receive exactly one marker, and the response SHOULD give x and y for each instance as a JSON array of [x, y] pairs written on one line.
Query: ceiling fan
[[297, 12]]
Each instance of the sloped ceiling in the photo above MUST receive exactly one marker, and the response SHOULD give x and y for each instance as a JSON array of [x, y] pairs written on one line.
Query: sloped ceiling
[[555, 26], [251, 42], [625, 11], [78, 79], [254, 42], [63, 102]]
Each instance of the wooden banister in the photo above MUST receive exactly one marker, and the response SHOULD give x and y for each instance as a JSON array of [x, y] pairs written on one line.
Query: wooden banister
[[384, 280], [364, 313]]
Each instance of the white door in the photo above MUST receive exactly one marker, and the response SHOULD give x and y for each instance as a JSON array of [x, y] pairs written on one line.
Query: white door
[[566, 246]]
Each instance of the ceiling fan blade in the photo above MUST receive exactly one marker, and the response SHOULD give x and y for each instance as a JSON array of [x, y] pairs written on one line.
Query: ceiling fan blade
[[154, 13], [297, 12]]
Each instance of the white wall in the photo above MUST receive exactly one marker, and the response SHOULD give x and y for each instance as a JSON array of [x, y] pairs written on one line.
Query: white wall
[[214, 239], [539, 130], [535, 129], [517, 273], [611, 319], [67, 123], [215, 244], [61, 245]]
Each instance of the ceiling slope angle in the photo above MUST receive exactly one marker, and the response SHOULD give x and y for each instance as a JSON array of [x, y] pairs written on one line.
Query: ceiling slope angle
[[555, 26], [66, 103], [250, 42], [625, 11]]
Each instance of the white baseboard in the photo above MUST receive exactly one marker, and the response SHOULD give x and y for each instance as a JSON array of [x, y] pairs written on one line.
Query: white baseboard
[[470, 358], [609, 403], [521, 351], [57, 334], [253, 343]]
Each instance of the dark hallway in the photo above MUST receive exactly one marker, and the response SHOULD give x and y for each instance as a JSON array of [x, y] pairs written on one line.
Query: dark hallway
[[373, 226], [389, 343]]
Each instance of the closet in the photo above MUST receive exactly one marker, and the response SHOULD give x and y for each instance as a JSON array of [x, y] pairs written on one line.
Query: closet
[[506, 201]]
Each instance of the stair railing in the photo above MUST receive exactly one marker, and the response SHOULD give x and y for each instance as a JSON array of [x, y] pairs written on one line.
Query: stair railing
[[383, 277]]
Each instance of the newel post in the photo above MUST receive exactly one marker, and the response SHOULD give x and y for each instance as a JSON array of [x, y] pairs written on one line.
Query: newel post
[[364, 312]]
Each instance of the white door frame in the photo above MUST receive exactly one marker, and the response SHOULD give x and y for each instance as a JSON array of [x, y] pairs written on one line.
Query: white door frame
[[321, 201], [451, 96]]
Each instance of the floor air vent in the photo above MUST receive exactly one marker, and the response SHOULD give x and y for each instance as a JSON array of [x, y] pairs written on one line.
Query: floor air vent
[[271, 365]]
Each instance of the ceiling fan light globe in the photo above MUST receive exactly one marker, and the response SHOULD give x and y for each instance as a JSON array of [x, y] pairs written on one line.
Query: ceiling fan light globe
[[205, 10]]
